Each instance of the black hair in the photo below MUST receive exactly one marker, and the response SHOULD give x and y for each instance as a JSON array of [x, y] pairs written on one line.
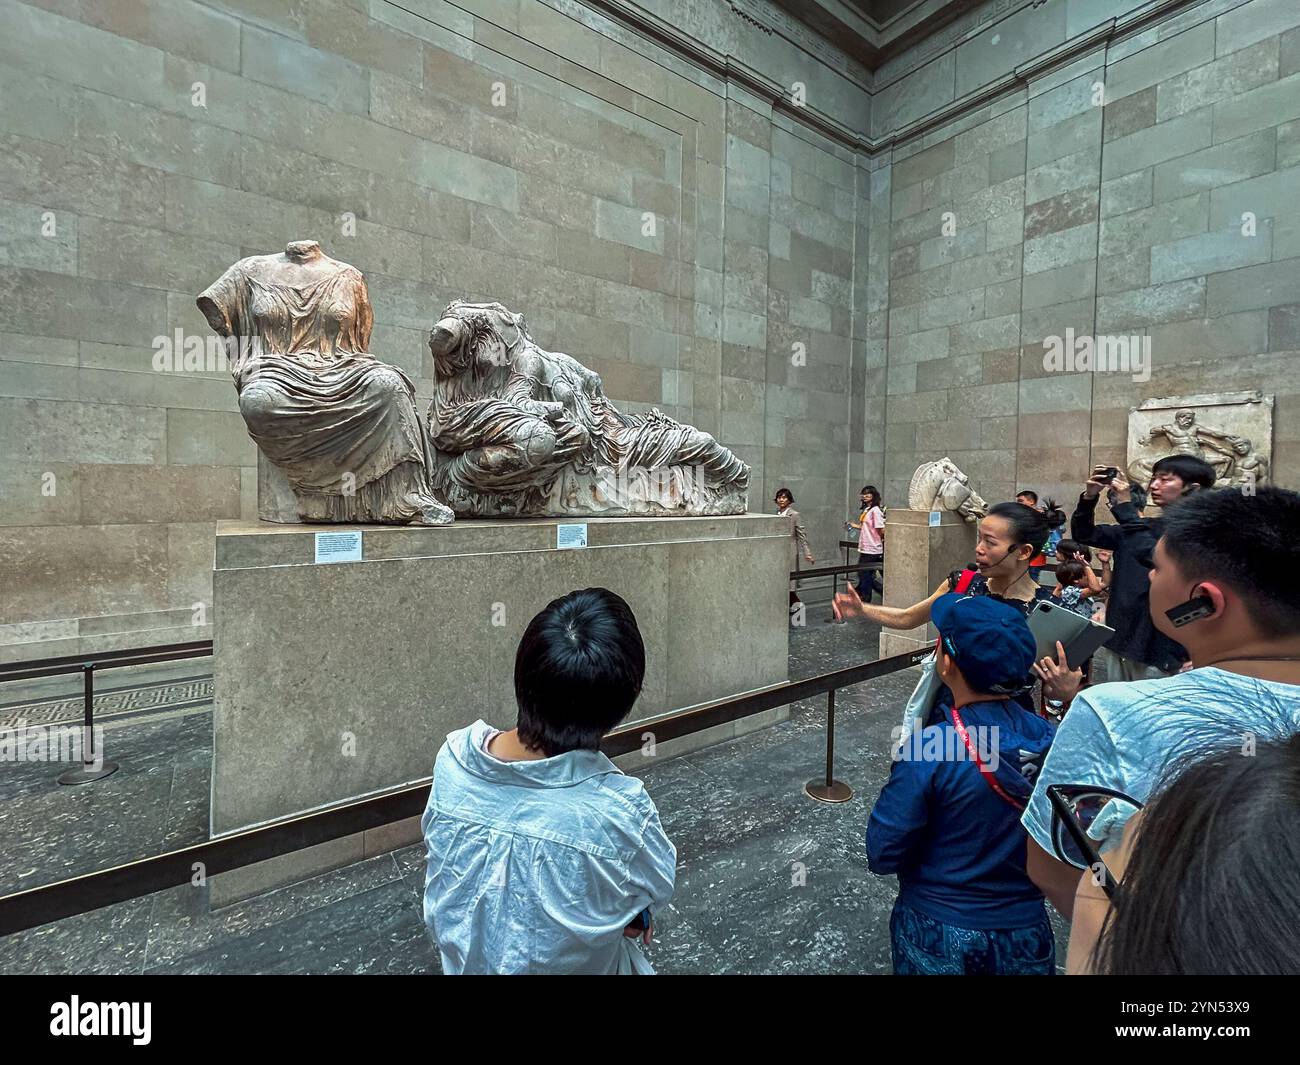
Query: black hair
[[1070, 573], [1213, 882], [1248, 542], [1187, 468], [784, 491], [578, 670], [876, 501], [1070, 548], [1137, 495], [1027, 492], [1028, 526], [1054, 514]]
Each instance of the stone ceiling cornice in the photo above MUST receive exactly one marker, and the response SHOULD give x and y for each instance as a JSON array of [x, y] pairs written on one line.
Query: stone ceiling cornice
[[733, 69]]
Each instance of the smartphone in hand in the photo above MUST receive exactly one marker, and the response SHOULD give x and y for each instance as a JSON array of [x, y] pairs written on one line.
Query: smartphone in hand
[[640, 926]]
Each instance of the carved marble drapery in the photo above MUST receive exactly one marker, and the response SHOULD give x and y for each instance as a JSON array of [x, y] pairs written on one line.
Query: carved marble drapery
[[341, 425]]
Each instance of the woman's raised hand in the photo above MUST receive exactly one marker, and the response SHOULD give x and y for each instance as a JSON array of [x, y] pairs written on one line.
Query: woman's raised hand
[[846, 604]]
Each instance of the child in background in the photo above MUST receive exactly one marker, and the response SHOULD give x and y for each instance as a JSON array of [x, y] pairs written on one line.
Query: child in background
[[1067, 550], [1074, 589], [1073, 551], [1056, 528], [1056, 521]]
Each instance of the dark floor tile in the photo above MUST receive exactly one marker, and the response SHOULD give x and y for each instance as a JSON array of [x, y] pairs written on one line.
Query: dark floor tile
[[184, 925], [109, 941], [769, 881], [353, 934]]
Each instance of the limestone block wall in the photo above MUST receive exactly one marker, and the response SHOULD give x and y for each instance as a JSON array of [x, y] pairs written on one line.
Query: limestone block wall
[[1142, 186], [848, 271], [647, 213]]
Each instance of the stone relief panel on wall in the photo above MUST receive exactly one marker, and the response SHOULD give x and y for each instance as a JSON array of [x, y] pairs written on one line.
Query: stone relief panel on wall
[[1232, 431], [513, 429], [940, 485]]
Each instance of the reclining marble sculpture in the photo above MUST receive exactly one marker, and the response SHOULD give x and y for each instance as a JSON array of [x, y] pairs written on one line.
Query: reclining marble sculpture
[[522, 430], [940, 485], [513, 429]]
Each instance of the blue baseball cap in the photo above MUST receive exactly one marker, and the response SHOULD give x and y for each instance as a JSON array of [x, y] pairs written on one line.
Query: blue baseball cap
[[989, 640]]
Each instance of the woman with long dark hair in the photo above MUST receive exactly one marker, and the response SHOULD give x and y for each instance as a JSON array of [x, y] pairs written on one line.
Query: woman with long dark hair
[[1209, 873]]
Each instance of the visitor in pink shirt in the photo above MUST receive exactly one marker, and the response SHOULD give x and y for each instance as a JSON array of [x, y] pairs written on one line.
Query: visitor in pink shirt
[[871, 542]]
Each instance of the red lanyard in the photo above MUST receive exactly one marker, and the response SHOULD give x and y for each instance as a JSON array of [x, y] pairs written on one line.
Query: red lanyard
[[985, 772]]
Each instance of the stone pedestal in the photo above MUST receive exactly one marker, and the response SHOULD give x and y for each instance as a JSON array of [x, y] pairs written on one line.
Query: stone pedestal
[[918, 555], [339, 680]]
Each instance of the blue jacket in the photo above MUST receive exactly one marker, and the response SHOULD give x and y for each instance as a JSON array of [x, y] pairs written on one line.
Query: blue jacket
[[955, 844]]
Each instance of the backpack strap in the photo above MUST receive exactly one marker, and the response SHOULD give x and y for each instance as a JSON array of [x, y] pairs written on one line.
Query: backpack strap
[[963, 581]]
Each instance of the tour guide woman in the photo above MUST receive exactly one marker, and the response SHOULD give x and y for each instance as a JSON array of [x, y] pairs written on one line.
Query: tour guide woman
[[1009, 536]]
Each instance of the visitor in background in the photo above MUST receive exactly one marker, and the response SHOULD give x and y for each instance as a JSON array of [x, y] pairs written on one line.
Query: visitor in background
[[1104, 559], [870, 528], [1009, 536], [1138, 650], [1208, 871], [1068, 550], [948, 826], [1137, 495], [1074, 587], [1227, 568], [1055, 529], [1056, 521], [542, 856], [1028, 498], [784, 501], [1073, 551]]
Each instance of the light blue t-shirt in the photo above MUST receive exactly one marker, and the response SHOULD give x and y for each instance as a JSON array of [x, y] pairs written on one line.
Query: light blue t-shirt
[[1128, 736], [537, 866]]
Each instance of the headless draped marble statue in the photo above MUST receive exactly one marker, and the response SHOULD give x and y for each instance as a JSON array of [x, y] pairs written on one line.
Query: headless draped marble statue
[[513, 429], [338, 423]]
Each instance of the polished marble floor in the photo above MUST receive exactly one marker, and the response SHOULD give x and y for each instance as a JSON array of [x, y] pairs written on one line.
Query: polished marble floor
[[768, 881]]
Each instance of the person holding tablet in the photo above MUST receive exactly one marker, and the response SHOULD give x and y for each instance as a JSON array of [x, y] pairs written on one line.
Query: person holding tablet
[[1010, 535]]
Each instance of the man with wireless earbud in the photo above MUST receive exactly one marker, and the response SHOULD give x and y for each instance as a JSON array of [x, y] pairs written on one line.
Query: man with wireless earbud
[[1138, 650], [1224, 582]]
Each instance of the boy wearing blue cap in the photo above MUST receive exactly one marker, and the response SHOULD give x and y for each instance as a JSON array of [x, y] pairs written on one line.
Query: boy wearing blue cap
[[947, 821]]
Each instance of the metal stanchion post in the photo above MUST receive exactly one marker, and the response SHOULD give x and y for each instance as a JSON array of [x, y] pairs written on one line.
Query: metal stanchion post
[[830, 789], [848, 579], [89, 769]]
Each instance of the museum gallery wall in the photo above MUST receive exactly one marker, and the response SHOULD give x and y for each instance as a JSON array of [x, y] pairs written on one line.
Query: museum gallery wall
[[837, 289]]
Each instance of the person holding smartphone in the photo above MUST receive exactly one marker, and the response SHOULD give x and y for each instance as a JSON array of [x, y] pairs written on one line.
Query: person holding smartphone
[[1138, 651]]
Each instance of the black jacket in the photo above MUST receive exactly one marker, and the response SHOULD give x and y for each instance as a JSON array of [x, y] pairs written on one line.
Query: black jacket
[[1132, 540]]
